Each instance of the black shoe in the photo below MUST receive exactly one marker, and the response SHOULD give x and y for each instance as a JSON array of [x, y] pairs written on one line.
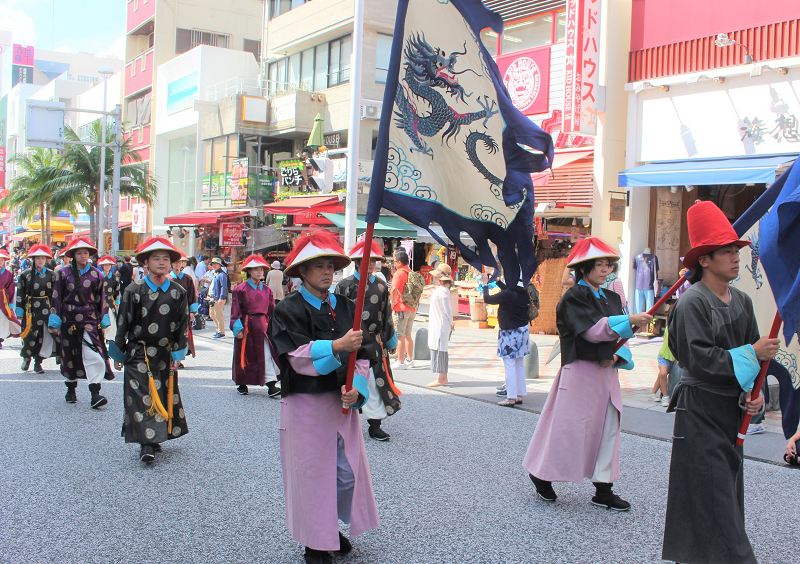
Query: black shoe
[[605, 497], [242, 390], [37, 367], [147, 454], [544, 488], [156, 447], [344, 544], [97, 400], [71, 396], [377, 433], [273, 390], [317, 556], [26, 363], [181, 366]]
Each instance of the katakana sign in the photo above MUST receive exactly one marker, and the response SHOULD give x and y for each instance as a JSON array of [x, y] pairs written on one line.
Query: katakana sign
[[582, 59]]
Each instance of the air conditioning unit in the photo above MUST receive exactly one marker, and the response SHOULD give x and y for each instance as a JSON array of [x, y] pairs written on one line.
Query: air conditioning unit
[[371, 110]]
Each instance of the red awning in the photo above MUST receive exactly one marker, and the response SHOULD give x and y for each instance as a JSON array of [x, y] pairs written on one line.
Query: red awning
[[205, 217], [72, 236], [300, 204], [560, 159]]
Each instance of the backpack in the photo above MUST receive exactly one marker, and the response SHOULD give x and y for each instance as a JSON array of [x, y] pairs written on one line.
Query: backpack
[[412, 291], [533, 306]]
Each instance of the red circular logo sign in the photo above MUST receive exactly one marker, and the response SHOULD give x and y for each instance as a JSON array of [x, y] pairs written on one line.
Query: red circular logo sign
[[523, 79]]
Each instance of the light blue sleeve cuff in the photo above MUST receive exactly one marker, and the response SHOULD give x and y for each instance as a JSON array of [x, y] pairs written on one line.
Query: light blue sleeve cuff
[[177, 356], [621, 325], [360, 384], [392, 343], [194, 307], [116, 354], [625, 354], [745, 366], [19, 312], [54, 321], [237, 327], [106, 321], [323, 358], [117, 302]]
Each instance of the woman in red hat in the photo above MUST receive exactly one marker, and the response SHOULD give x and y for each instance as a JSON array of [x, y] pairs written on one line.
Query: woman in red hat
[[714, 335], [254, 363], [34, 295], [578, 433], [9, 324]]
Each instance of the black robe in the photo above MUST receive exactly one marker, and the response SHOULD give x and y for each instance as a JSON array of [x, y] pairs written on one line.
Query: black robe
[[578, 311], [378, 328], [705, 503], [34, 297]]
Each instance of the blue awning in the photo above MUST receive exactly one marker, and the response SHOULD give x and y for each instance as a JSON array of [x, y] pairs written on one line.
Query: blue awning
[[17, 229], [745, 170]]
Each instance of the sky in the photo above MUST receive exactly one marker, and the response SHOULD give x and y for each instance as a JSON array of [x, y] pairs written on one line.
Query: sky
[[88, 26]]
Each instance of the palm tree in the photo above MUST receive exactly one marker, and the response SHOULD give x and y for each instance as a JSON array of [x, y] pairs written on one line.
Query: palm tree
[[78, 177]]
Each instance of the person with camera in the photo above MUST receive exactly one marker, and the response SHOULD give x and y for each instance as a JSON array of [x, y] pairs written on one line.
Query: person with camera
[[584, 405]]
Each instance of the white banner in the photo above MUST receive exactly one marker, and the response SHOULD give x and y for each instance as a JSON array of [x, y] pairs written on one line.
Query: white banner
[[139, 218]]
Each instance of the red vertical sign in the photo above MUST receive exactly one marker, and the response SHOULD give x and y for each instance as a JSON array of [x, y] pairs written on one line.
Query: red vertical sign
[[582, 76], [2, 168]]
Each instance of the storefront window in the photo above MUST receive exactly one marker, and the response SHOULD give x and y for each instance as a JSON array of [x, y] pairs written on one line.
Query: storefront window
[[528, 34], [489, 39], [561, 26]]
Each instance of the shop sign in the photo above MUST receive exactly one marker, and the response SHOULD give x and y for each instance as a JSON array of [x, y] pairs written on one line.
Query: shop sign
[[22, 55], [230, 234], [2, 168], [526, 75], [339, 169], [239, 178], [21, 75], [333, 139], [581, 69], [206, 185], [280, 219], [293, 173], [282, 110], [617, 209], [218, 186], [139, 218]]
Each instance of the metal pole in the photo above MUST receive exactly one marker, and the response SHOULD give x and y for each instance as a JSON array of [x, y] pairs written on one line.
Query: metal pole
[[354, 131], [101, 201], [115, 181]]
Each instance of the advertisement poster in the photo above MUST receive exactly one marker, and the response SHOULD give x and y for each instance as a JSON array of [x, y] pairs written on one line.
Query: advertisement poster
[[218, 186], [239, 181], [230, 234], [182, 93], [206, 185], [526, 74], [139, 218], [293, 174]]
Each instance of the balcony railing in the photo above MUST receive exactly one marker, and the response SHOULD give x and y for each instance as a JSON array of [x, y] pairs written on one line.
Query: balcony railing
[[139, 72]]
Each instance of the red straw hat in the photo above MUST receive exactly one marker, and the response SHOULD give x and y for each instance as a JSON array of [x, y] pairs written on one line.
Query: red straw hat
[[80, 243], [4, 254], [153, 244], [709, 230], [357, 252], [108, 259], [591, 248], [255, 261], [313, 245], [40, 250]]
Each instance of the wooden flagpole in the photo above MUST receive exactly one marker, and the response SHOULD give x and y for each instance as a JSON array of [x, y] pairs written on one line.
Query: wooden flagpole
[[362, 290]]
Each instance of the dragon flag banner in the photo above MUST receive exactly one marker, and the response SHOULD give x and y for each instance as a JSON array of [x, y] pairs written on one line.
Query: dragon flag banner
[[452, 148]]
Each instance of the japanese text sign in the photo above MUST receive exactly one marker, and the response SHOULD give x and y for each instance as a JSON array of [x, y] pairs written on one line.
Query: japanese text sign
[[526, 74], [293, 173], [230, 234], [22, 55], [581, 69], [139, 218]]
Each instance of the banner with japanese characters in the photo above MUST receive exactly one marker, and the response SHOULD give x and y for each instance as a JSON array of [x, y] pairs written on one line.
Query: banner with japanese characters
[[293, 175], [581, 70]]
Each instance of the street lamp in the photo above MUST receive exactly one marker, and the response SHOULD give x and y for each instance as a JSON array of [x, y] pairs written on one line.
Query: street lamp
[[105, 72], [723, 40]]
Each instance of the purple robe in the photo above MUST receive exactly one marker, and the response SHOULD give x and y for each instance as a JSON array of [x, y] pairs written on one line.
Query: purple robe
[[251, 311], [7, 290], [78, 319]]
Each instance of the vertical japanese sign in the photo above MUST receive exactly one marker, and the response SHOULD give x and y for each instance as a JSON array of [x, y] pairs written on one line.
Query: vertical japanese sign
[[581, 73], [21, 64], [139, 218], [2, 168], [230, 234], [239, 178]]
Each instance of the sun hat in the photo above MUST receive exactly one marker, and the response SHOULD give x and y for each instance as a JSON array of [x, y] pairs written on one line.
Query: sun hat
[[40, 250], [443, 273], [254, 261], [276, 264], [153, 244], [80, 243], [312, 245], [591, 248]]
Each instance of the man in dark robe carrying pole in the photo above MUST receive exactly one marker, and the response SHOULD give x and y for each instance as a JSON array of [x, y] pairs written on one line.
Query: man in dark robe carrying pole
[[714, 336]]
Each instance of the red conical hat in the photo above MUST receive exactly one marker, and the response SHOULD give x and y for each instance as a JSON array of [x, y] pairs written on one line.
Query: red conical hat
[[157, 244], [357, 252], [709, 230], [182, 257], [80, 243], [591, 248], [108, 259], [4, 254], [254, 261], [313, 245], [40, 250]]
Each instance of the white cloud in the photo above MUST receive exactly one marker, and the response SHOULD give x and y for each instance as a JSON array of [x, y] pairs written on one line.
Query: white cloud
[[21, 25], [116, 49], [66, 49]]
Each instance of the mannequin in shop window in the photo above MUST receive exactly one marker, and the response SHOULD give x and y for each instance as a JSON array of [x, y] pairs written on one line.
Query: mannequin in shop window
[[646, 266]]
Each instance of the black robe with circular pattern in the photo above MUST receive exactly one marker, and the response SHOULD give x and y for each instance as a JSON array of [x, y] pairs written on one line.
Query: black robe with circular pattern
[[34, 295]]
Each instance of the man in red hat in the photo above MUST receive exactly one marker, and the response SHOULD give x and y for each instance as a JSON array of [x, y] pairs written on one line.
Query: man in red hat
[[380, 337], [9, 324], [151, 341], [34, 294], [79, 316], [714, 336]]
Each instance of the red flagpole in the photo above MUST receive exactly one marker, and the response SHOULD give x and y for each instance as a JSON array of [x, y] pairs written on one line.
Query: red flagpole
[[655, 307], [759, 383], [362, 289]]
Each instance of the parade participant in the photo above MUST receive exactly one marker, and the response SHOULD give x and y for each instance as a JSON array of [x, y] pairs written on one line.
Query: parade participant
[[111, 291], [714, 336], [34, 293], [325, 468], [79, 315], [254, 363], [151, 341], [379, 339], [578, 432], [184, 280], [9, 324]]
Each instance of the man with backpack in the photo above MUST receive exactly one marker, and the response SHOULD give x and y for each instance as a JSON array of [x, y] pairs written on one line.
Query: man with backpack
[[407, 287]]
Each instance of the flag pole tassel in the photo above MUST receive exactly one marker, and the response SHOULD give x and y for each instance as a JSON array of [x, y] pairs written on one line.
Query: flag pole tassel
[[362, 290]]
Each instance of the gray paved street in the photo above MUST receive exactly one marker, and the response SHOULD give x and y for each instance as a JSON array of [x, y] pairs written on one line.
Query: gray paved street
[[449, 485]]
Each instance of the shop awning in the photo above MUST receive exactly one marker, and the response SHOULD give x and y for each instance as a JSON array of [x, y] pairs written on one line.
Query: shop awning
[[72, 236], [205, 217], [744, 170], [17, 229], [561, 158], [299, 204], [55, 225], [388, 226]]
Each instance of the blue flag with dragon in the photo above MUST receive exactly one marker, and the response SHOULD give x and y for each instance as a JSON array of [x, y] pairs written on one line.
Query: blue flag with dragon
[[452, 148]]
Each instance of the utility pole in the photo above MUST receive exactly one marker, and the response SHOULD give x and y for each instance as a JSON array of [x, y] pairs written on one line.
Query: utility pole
[[115, 182], [105, 72], [353, 133]]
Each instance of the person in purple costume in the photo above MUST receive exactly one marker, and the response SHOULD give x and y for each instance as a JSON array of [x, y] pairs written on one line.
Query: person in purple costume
[[9, 323]]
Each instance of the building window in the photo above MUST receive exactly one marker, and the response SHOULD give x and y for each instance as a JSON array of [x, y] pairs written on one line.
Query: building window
[[253, 46], [280, 7], [383, 52], [489, 39], [187, 39], [313, 69], [340, 51], [527, 34]]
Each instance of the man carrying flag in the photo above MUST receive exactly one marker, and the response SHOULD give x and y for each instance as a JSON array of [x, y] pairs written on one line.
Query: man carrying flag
[[714, 336]]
